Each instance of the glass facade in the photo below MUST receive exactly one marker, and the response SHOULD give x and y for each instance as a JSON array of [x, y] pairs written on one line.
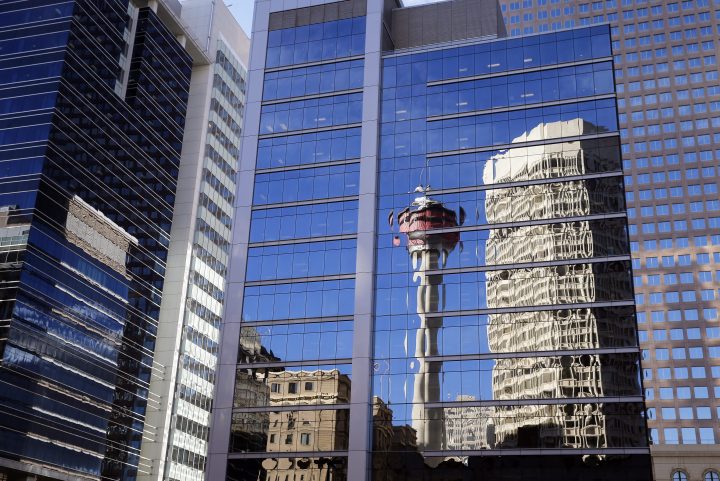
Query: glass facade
[[466, 231], [93, 98], [503, 281], [293, 375]]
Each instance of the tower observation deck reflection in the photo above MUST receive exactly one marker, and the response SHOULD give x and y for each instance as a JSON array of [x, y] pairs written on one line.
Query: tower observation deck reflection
[[428, 251]]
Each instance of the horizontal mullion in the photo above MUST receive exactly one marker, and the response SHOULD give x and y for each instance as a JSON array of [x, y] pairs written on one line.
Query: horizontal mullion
[[536, 401], [513, 108], [292, 280], [287, 454], [270, 170], [305, 202], [538, 308], [313, 64], [537, 452], [296, 320], [527, 354], [310, 363], [527, 183], [303, 240], [310, 131], [505, 73], [528, 265], [504, 225], [558, 140], [299, 407], [312, 96]]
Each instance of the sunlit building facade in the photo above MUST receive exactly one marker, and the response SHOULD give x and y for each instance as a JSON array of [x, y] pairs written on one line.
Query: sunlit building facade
[[175, 440], [93, 98], [438, 230]]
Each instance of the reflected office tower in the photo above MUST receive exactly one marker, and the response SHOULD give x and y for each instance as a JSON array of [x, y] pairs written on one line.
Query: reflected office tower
[[428, 251], [579, 371]]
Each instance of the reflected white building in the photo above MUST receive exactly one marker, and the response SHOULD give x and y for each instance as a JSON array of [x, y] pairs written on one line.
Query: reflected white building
[[469, 427], [579, 425]]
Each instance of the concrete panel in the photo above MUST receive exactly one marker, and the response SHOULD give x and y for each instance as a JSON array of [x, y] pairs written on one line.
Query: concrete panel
[[260, 16]]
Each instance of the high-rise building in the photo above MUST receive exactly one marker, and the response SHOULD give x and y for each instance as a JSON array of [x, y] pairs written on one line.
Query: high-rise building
[[93, 96], [668, 86], [438, 228], [175, 441]]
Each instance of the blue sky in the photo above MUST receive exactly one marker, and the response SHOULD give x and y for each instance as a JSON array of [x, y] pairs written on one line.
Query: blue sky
[[243, 10]]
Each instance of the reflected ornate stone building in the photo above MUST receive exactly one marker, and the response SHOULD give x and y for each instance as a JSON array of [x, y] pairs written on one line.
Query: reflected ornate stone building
[[251, 389], [303, 431]]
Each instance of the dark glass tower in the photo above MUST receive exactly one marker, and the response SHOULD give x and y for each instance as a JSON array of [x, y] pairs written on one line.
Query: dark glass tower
[[435, 283], [93, 96]]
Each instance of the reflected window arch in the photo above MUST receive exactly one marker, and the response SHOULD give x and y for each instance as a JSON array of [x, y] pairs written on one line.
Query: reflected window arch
[[711, 475], [679, 476]]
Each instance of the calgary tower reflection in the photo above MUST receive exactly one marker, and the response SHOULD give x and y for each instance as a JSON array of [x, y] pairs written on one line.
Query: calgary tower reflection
[[429, 245]]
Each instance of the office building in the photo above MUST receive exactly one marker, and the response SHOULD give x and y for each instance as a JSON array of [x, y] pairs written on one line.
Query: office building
[[438, 221], [93, 95], [175, 441], [668, 88]]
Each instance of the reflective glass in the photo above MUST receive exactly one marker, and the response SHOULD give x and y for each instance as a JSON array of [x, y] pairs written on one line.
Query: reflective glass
[[316, 42], [282, 223], [311, 114], [318, 79], [277, 468], [302, 341], [553, 242], [503, 268], [277, 431], [306, 184], [298, 300], [280, 385], [86, 205], [301, 260], [311, 148]]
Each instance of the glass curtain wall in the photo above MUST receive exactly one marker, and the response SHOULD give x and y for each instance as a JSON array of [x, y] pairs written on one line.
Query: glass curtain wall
[[505, 340], [293, 378]]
